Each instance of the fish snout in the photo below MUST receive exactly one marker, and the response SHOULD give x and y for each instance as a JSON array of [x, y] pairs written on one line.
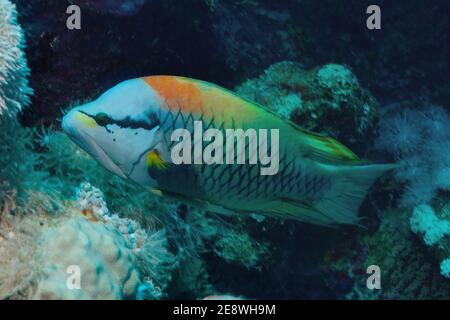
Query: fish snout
[[68, 122], [72, 125]]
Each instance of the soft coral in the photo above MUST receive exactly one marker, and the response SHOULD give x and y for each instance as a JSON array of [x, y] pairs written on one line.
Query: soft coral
[[420, 140]]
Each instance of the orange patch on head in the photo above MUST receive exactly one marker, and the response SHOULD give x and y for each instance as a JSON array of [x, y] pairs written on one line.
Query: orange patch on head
[[178, 92], [199, 97]]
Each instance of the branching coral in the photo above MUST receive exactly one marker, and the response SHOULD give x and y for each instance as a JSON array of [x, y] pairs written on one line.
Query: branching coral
[[14, 90]]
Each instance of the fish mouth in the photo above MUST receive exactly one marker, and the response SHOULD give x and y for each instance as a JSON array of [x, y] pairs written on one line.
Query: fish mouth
[[87, 143]]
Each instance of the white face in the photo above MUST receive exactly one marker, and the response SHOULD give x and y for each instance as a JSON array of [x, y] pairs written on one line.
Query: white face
[[119, 128]]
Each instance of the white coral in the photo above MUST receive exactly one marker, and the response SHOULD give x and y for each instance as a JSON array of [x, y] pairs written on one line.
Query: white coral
[[445, 268], [14, 90], [424, 221]]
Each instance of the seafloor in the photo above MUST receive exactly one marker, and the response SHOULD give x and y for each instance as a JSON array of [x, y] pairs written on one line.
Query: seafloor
[[384, 93]]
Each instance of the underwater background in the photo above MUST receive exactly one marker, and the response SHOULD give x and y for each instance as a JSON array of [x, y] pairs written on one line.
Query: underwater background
[[384, 93]]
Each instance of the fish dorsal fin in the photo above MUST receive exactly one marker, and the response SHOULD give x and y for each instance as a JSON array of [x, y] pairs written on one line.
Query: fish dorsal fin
[[316, 146], [323, 148]]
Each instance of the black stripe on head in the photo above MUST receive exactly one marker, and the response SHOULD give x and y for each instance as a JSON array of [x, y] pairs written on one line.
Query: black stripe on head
[[103, 120]]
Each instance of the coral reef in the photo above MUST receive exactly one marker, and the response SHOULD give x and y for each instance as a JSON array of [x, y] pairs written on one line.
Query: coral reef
[[14, 90], [325, 99]]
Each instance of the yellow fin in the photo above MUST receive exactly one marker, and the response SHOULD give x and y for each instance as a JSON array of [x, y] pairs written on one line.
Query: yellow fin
[[154, 161]]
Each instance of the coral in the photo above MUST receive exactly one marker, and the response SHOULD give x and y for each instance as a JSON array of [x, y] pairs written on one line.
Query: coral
[[21, 165], [325, 99], [445, 268], [240, 248], [416, 139], [156, 262], [91, 200], [17, 246], [21, 225], [424, 221], [17, 160], [433, 225], [14, 90], [107, 264], [117, 257], [150, 246]]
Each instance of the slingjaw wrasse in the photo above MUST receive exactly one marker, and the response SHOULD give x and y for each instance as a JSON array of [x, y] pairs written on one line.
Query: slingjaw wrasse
[[130, 131]]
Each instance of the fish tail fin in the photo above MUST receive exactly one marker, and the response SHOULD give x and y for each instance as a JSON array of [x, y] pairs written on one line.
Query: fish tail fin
[[348, 190]]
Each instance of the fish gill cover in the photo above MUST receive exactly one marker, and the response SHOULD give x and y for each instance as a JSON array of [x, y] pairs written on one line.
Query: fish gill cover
[[384, 94]]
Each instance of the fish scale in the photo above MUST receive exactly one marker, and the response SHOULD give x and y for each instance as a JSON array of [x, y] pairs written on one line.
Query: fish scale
[[236, 181]]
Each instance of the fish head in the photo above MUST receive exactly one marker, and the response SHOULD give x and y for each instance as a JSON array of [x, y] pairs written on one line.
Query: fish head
[[119, 128]]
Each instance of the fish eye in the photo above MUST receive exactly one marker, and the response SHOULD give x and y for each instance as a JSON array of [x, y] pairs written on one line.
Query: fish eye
[[102, 119]]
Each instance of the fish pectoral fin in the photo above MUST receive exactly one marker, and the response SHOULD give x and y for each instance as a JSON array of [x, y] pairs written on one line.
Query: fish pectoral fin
[[324, 149], [297, 210], [155, 161]]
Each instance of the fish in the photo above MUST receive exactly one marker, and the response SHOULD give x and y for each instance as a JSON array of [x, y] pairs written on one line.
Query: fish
[[130, 128]]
